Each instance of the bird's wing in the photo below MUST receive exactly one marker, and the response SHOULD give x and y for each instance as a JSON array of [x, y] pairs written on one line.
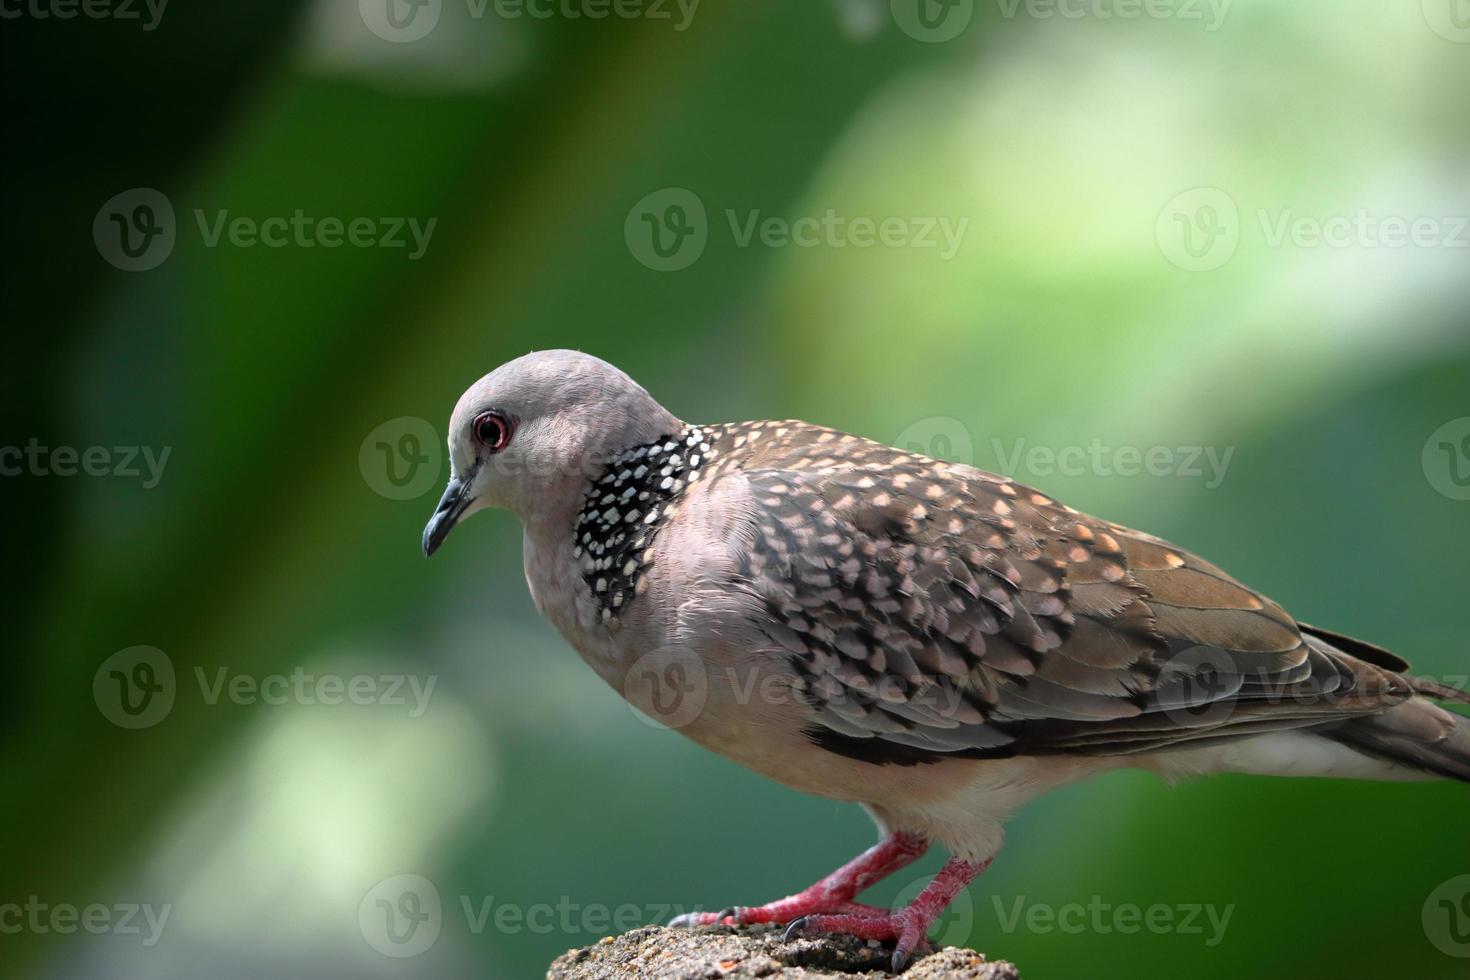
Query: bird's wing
[[932, 609]]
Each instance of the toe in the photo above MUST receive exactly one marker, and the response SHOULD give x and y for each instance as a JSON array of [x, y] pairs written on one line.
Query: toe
[[691, 919], [913, 938]]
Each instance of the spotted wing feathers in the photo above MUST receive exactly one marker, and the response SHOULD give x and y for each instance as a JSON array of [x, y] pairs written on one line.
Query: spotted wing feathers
[[931, 609]]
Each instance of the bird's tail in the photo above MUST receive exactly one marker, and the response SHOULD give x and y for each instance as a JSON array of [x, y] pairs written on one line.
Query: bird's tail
[[1418, 733]]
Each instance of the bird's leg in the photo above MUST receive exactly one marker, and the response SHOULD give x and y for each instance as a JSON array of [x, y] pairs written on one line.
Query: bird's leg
[[908, 926], [833, 893]]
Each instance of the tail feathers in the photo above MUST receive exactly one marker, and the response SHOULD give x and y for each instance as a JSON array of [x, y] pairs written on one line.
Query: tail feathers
[[1416, 734], [1362, 649], [1437, 691]]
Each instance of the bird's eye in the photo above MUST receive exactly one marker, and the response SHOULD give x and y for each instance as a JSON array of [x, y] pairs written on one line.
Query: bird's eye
[[492, 430]]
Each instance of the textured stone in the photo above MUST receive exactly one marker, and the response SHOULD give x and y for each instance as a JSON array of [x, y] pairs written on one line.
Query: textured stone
[[662, 953]]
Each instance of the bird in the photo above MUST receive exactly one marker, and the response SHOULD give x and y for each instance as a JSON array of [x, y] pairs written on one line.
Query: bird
[[936, 643]]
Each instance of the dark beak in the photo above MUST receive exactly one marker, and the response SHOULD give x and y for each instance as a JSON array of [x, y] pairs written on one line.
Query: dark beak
[[456, 498]]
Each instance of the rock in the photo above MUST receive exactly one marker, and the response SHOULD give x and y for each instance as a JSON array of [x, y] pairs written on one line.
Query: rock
[[663, 953]]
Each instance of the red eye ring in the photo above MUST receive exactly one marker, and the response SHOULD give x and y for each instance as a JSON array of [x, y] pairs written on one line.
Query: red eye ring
[[493, 431]]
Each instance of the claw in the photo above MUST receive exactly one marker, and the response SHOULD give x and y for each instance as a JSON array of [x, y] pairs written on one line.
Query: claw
[[796, 928]]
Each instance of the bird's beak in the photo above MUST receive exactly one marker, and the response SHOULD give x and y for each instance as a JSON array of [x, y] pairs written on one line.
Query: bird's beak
[[451, 506]]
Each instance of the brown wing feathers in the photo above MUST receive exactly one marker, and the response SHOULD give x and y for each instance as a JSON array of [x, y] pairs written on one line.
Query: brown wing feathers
[[935, 610]]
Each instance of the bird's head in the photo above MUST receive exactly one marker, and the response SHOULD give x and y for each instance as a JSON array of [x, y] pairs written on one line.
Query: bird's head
[[529, 436]]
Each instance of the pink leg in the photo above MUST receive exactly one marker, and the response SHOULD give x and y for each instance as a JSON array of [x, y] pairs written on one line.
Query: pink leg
[[908, 926], [834, 893]]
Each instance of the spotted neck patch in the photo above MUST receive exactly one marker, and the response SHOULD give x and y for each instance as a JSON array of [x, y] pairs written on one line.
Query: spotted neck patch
[[624, 509]]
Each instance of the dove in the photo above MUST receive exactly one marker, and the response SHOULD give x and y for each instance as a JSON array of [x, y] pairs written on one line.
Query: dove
[[935, 643]]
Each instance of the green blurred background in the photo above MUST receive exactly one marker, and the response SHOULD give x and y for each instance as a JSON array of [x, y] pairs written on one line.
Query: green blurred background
[[1079, 146]]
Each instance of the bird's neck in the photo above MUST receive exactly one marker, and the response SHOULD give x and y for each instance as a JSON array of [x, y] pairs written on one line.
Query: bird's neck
[[581, 562], [596, 551]]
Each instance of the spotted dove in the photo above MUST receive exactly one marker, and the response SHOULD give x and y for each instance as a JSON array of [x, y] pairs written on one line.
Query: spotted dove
[[934, 642]]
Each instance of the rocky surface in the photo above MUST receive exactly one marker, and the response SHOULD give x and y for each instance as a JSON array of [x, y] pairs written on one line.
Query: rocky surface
[[721, 951]]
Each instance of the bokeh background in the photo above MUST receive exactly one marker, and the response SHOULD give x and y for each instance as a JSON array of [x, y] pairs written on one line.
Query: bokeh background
[[1137, 188]]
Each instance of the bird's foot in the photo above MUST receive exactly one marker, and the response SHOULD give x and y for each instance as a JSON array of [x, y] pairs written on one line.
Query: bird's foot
[[777, 913], [907, 928], [833, 894]]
